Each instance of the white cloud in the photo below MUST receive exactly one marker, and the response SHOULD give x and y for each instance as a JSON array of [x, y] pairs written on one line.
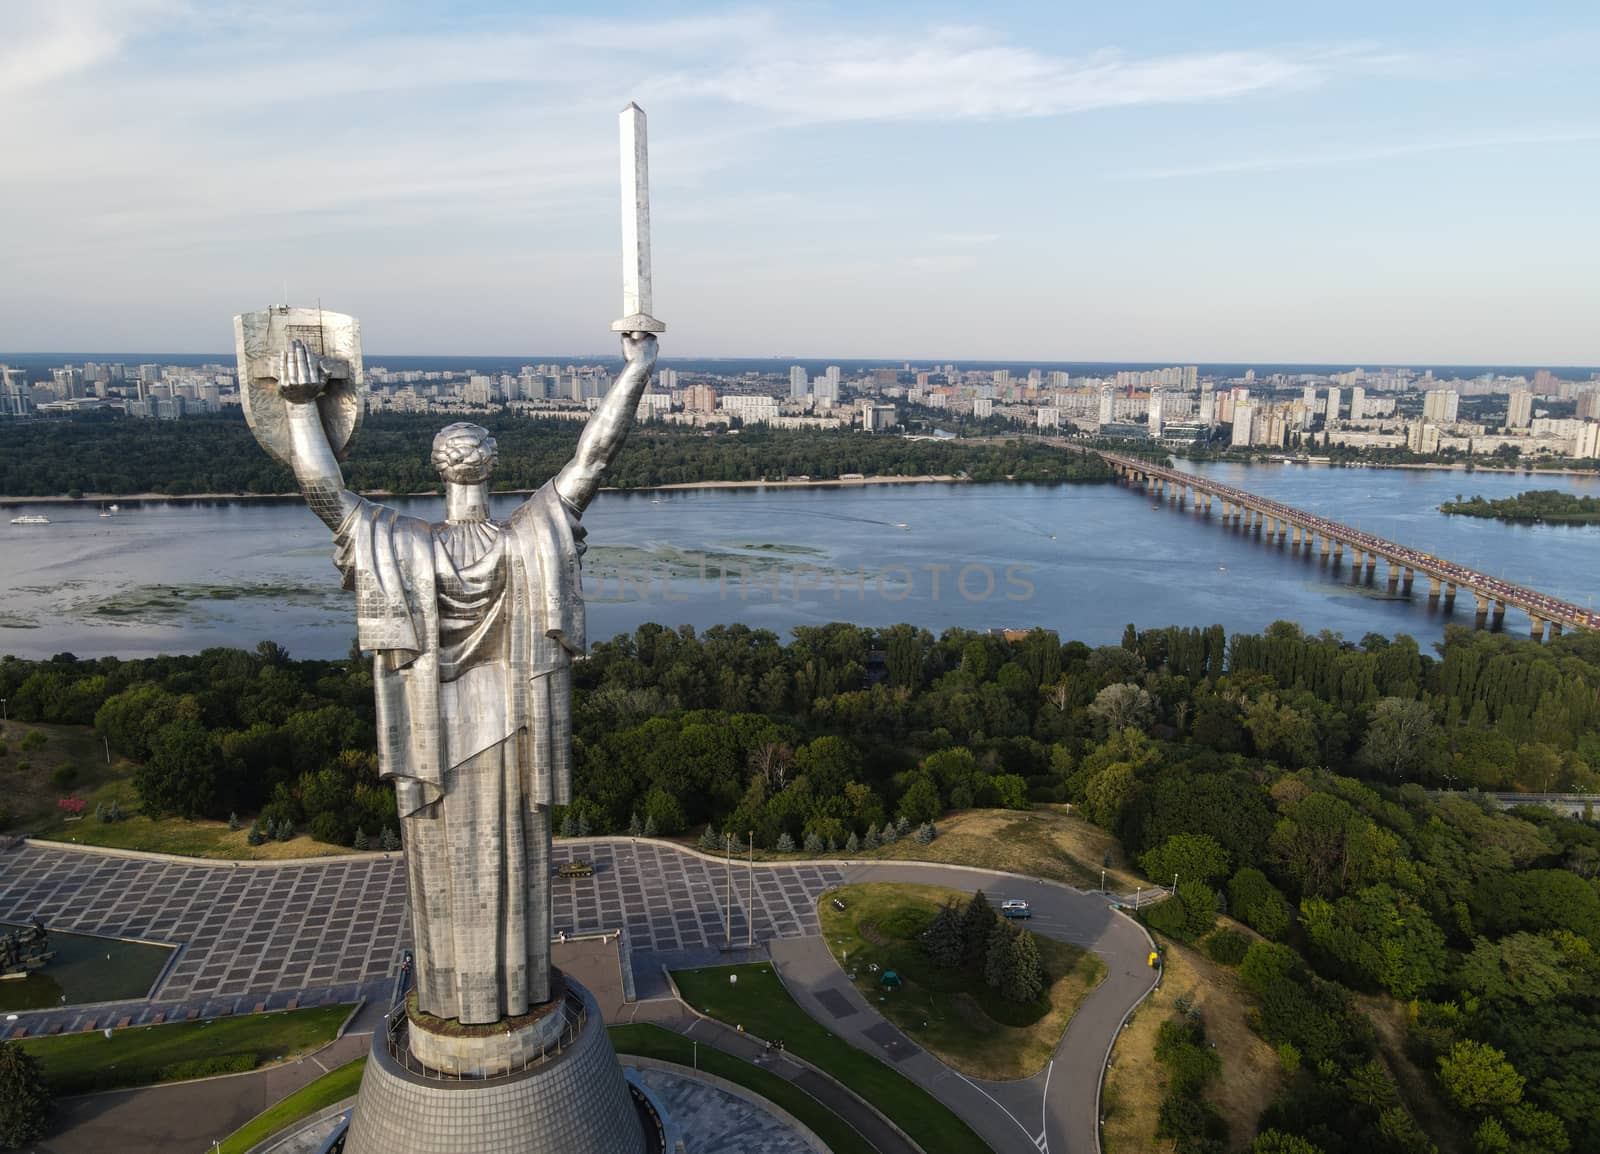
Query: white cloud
[[43, 42]]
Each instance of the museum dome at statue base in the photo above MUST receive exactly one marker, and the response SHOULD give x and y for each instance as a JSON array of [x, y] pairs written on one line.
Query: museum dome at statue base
[[570, 1097]]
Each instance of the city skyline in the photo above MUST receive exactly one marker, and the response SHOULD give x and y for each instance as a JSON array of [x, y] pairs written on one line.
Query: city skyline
[[1370, 187]]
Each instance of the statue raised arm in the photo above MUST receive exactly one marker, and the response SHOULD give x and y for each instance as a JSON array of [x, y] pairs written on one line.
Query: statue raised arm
[[301, 380], [608, 426]]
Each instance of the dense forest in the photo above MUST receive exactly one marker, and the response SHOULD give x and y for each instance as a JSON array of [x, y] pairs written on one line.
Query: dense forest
[[113, 455], [1283, 776], [1534, 505]]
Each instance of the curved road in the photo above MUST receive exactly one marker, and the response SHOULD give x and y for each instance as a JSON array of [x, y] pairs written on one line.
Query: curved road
[[1057, 1110]]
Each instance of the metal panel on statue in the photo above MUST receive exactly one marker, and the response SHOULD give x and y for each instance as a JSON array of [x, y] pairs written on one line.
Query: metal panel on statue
[[262, 339]]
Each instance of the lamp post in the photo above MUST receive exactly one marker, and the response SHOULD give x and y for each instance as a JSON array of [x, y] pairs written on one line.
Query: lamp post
[[105, 742], [1102, 880]]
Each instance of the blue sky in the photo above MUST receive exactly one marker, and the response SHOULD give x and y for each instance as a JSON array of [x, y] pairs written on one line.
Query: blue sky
[[1359, 183]]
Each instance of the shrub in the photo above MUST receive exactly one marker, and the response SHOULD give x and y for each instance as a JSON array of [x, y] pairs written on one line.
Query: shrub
[[360, 841], [23, 765], [233, 821], [31, 741], [853, 844], [73, 806], [64, 776], [255, 836], [651, 829], [785, 844], [813, 844], [207, 1067], [285, 830], [889, 834], [389, 839], [329, 829], [1227, 947], [1265, 962]]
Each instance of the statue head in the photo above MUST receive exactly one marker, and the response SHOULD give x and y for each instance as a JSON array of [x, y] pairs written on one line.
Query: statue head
[[464, 453]]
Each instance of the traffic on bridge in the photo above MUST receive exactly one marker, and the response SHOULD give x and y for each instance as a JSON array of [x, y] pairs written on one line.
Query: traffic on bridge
[[1541, 608]]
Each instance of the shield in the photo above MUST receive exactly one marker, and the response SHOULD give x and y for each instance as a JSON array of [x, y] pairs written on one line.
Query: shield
[[260, 339]]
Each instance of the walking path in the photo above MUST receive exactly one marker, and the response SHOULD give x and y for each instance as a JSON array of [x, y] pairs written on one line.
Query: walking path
[[671, 1014]]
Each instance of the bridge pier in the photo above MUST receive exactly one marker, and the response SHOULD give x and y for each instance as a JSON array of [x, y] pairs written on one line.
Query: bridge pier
[[1483, 608], [1338, 548], [1499, 612], [1449, 594], [1555, 629], [1394, 576], [1327, 545], [1536, 627], [1294, 536], [1283, 528], [1411, 575], [1434, 585]]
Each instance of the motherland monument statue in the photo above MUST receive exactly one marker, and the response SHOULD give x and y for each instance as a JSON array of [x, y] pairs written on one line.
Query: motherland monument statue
[[473, 624]]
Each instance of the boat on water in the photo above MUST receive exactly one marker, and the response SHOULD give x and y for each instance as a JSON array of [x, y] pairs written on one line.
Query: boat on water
[[31, 519]]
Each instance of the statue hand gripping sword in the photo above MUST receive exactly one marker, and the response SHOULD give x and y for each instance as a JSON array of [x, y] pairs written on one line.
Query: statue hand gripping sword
[[474, 624]]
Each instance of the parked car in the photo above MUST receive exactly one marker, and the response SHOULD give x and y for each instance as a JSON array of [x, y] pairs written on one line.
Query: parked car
[[1015, 908]]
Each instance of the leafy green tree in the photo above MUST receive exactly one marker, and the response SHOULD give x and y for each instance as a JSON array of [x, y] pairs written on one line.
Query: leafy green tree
[[920, 803], [24, 1101], [1478, 1078], [181, 774], [1267, 962], [1400, 737], [1189, 856], [1277, 1142], [1522, 967], [1256, 901], [1123, 706]]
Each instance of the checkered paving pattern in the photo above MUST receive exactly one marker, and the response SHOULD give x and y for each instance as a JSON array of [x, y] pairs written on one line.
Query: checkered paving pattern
[[670, 901], [276, 935]]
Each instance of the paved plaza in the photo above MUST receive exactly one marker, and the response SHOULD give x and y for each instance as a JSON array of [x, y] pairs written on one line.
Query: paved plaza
[[265, 935]]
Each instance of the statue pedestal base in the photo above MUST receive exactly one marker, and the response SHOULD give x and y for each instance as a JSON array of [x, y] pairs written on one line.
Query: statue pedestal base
[[450, 1049], [568, 1096]]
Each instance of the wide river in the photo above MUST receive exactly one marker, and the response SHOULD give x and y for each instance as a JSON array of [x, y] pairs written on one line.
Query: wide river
[[170, 577]]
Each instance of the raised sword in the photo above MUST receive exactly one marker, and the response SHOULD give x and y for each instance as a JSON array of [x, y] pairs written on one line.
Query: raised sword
[[636, 301]]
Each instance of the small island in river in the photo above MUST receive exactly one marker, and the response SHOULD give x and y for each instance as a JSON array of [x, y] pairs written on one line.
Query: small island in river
[[1532, 506]]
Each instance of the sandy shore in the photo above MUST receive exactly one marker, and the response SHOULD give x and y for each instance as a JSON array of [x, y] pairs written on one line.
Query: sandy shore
[[102, 498]]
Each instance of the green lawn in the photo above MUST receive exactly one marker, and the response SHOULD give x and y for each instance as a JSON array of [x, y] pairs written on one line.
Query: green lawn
[[654, 1042], [953, 1013], [332, 1087], [83, 1063], [762, 1006]]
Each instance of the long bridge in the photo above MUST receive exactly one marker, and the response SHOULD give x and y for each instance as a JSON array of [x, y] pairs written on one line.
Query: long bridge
[[1275, 521]]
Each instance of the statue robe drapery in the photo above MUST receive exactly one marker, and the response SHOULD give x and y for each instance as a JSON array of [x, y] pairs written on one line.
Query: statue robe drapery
[[474, 625]]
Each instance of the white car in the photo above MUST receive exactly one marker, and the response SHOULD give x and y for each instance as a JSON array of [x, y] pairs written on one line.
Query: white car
[[1015, 908]]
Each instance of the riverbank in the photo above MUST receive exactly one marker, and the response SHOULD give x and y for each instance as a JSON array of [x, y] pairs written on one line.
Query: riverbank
[[808, 483], [1417, 466]]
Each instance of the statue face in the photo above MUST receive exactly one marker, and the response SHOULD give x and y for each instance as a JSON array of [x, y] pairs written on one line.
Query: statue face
[[464, 453]]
